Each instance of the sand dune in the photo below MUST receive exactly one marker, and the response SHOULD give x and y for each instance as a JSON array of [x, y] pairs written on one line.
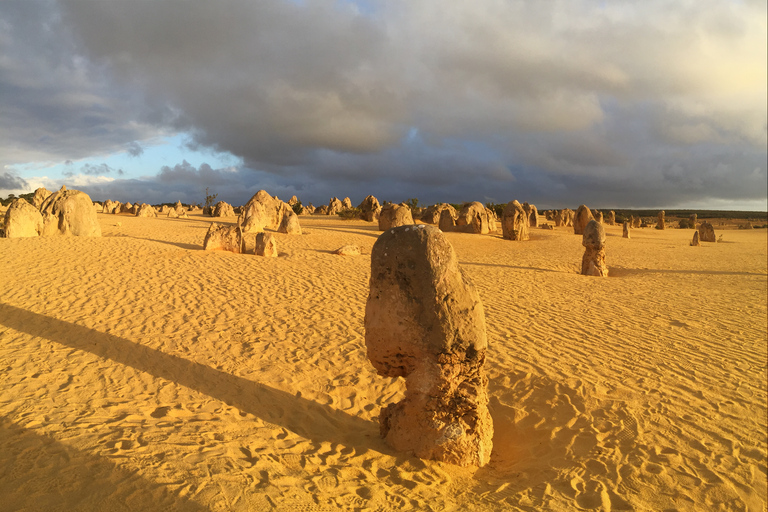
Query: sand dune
[[142, 373]]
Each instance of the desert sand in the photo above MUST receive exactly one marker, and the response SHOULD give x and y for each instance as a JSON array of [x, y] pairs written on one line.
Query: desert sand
[[139, 372]]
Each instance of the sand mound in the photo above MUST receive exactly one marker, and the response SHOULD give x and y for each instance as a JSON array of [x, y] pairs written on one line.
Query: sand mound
[[143, 373]]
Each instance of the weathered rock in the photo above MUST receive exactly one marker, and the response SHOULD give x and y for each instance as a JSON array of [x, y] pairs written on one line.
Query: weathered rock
[[41, 194], [491, 220], [612, 218], [625, 232], [424, 321], [71, 211], [447, 221], [348, 250], [266, 245], [473, 219], [346, 203], [581, 219], [593, 261], [368, 208], [269, 215], [637, 222], [223, 238], [394, 215], [533, 215], [564, 217], [98, 207], [514, 222], [432, 214], [293, 201], [181, 212], [707, 232], [108, 206], [127, 208], [146, 210], [599, 216], [692, 220], [660, 220], [290, 224], [334, 206], [254, 217], [22, 220], [307, 210], [695, 242], [223, 209], [321, 210]]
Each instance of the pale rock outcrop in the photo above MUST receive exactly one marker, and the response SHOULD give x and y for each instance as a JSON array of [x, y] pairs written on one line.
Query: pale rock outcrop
[[533, 215], [348, 250], [514, 222], [447, 222], [612, 218], [41, 194], [346, 203], [69, 212], [334, 206], [432, 214], [581, 219], [692, 220], [22, 220], [223, 209], [290, 224], [491, 220], [394, 215], [223, 238], [368, 208], [266, 245], [424, 321], [127, 208], [307, 210], [564, 217], [625, 232], [108, 206], [707, 232], [267, 210], [98, 207], [593, 261], [118, 208], [321, 210], [146, 210], [181, 212], [696, 242], [660, 224], [599, 216], [293, 201], [473, 219]]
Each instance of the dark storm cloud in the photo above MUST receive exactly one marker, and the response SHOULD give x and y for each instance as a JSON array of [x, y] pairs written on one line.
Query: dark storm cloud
[[551, 102], [95, 170], [11, 182]]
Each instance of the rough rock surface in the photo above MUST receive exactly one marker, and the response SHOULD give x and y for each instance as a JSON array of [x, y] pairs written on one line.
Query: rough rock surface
[[41, 194], [625, 232], [593, 261], [514, 222], [599, 216], [581, 219], [424, 321], [346, 203], [348, 250], [394, 215], [368, 208], [72, 213], [692, 220], [268, 215], [223, 209], [22, 220], [447, 222], [146, 210], [321, 210], [266, 245], [707, 232], [432, 214], [533, 215], [290, 224], [637, 222], [660, 220], [611, 218], [108, 206], [492, 220], [223, 238], [696, 242], [334, 206], [473, 219], [127, 208], [293, 201]]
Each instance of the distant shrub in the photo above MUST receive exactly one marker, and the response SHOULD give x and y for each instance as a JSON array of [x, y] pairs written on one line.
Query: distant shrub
[[685, 224], [496, 208], [297, 208], [351, 214]]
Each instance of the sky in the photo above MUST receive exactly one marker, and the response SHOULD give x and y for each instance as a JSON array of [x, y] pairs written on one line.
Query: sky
[[613, 104]]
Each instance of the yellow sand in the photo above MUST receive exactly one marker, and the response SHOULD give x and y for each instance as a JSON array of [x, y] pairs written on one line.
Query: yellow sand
[[138, 372]]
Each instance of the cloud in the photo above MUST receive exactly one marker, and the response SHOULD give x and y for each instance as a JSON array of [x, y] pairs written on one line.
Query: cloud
[[10, 182], [94, 170], [620, 102]]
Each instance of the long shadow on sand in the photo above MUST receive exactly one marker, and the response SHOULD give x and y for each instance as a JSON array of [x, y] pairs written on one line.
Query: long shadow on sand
[[303, 417], [356, 231], [72, 479], [190, 247], [511, 266], [621, 272]]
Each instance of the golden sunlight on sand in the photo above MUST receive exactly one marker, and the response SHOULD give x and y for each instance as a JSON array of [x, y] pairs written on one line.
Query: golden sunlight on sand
[[139, 372]]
